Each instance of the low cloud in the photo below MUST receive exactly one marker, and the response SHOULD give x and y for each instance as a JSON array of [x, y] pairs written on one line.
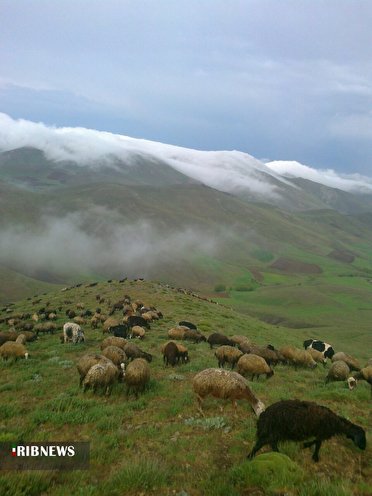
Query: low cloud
[[96, 242], [354, 183]]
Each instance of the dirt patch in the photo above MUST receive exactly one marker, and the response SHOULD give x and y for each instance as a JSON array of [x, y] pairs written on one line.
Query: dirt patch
[[257, 275], [295, 266], [342, 256], [282, 321]]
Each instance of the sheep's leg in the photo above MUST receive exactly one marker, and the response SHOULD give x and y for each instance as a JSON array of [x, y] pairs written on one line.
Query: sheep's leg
[[318, 444], [200, 400], [259, 444], [274, 446], [309, 444]]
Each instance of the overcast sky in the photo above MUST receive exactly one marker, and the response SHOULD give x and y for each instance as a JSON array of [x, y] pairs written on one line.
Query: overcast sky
[[281, 80]]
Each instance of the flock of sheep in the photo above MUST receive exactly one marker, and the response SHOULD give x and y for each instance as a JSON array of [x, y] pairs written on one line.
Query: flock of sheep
[[121, 360]]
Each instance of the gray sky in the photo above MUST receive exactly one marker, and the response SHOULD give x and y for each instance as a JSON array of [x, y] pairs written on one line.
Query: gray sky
[[281, 80]]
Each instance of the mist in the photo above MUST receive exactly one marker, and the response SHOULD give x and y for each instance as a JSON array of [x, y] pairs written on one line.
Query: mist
[[97, 242]]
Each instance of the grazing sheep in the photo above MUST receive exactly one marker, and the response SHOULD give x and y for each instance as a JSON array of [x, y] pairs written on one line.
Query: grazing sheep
[[133, 351], [177, 332], [79, 320], [45, 328], [8, 336], [86, 362], [254, 365], [224, 384], [339, 371], [14, 350], [114, 341], [295, 420], [21, 338], [321, 346], [137, 376], [30, 336], [110, 322], [352, 362], [120, 331], [116, 355], [227, 354], [101, 375], [170, 354], [365, 374], [238, 339], [72, 332], [194, 336], [134, 320], [183, 353], [185, 323], [271, 356], [317, 356], [297, 357], [138, 332], [219, 339]]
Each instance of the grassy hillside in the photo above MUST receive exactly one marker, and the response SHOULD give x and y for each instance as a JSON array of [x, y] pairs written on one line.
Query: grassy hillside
[[159, 443]]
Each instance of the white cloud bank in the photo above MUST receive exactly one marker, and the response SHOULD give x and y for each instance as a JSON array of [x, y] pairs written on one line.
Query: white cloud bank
[[229, 171], [354, 183]]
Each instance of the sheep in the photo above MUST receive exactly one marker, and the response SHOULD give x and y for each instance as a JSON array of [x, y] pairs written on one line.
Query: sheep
[[183, 353], [21, 338], [185, 323], [13, 350], [297, 357], [103, 374], [116, 355], [177, 332], [317, 356], [339, 371], [325, 348], [352, 362], [170, 354], [224, 384], [86, 362], [134, 320], [238, 339], [79, 320], [120, 331], [272, 357], [114, 341], [110, 322], [219, 339], [137, 376], [295, 420], [227, 354], [72, 332], [194, 336], [133, 351], [138, 332], [254, 365], [45, 327], [364, 374], [8, 336]]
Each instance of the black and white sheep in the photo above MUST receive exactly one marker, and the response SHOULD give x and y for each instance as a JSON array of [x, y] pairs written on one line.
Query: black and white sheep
[[295, 420], [72, 332], [325, 348]]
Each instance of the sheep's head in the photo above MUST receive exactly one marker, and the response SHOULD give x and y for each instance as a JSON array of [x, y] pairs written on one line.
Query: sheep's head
[[352, 383], [259, 408], [26, 355]]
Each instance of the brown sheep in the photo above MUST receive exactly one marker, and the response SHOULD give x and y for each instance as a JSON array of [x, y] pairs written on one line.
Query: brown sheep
[[254, 365], [364, 374], [137, 376], [339, 371], [21, 338], [101, 375], [114, 341], [79, 320], [110, 322], [138, 332], [13, 350], [183, 353], [352, 362], [86, 362], [116, 355], [170, 354], [227, 354], [224, 384], [133, 351], [238, 339], [177, 332], [317, 356], [296, 357]]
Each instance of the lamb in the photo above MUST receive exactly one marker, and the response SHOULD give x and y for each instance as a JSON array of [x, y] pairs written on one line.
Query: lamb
[[72, 332], [116, 355], [137, 375], [133, 351], [227, 354], [103, 374], [364, 374], [219, 339], [254, 365], [13, 350], [225, 385], [339, 371], [352, 362], [295, 420], [86, 362], [114, 341]]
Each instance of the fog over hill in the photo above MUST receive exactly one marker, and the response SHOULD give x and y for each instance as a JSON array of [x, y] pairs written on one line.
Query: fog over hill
[[230, 171]]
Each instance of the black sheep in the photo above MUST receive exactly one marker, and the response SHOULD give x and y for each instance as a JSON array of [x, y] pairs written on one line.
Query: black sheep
[[295, 420], [134, 320], [185, 323]]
